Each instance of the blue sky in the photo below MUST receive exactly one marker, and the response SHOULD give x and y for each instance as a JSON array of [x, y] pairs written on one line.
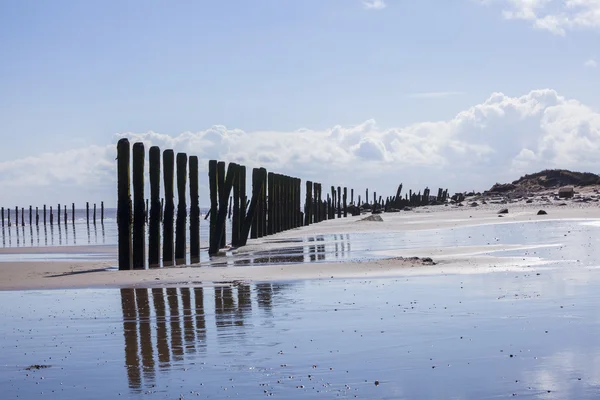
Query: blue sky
[[75, 73]]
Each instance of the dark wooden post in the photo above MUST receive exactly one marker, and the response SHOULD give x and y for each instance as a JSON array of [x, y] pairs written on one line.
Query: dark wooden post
[[339, 202], [237, 204], [87, 211], [65, 215], [352, 196], [270, 208], [180, 234], [221, 225], [139, 226], [169, 207], [2, 210], [255, 188], [94, 214], [58, 212], [241, 181], [37, 217], [194, 211], [124, 205], [275, 203], [8, 209], [30, 216], [17, 216], [260, 212], [23, 216], [251, 211], [345, 202], [44, 215], [102, 212], [367, 196], [264, 201], [308, 203], [73, 213], [214, 240], [155, 209]]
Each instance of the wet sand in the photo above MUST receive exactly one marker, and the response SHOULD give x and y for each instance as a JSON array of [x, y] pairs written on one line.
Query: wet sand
[[261, 260]]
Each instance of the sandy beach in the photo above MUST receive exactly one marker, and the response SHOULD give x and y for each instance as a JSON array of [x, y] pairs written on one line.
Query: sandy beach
[[23, 275]]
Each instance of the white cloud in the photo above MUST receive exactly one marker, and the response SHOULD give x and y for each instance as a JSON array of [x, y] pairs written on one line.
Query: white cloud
[[494, 141], [556, 16], [434, 95], [374, 4], [591, 63]]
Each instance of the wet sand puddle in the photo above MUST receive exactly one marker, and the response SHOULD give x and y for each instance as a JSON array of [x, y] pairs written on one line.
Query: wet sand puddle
[[475, 336]]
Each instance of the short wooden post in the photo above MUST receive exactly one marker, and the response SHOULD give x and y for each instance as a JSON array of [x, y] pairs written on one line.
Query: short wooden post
[[102, 212], [155, 208], [275, 204], [139, 226], [345, 202], [214, 241], [180, 231], [194, 211], [23, 216], [169, 207], [124, 205], [44, 215], [58, 212], [73, 213], [51, 216], [339, 202]]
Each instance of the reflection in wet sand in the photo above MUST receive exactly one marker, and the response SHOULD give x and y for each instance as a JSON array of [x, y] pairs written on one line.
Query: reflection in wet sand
[[145, 317]]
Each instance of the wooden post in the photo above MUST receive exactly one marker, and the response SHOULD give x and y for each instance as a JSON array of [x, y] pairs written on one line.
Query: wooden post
[[352, 196], [58, 212], [255, 189], [87, 211], [260, 212], [17, 216], [241, 180], [95, 212], [345, 202], [8, 209], [44, 215], [169, 207], [23, 216], [30, 216], [155, 209], [139, 226], [367, 196], [2, 210], [308, 204], [237, 204], [124, 205], [194, 212], [37, 217], [270, 204], [214, 240], [264, 201], [275, 204], [180, 234], [251, 212], [73, 213], [339, 202], [102, 212], [65, 215], [221, 225]]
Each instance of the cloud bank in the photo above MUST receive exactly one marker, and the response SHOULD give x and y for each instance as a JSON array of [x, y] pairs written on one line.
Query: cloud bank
[[494, 141]]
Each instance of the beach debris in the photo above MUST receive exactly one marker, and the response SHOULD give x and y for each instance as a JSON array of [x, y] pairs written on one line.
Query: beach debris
[[37, 366], [416, 260], [474, 204], [503, 211], [529, 201], [562, 204], [500, 215], [372, 217], [566, 192], [542, 212]]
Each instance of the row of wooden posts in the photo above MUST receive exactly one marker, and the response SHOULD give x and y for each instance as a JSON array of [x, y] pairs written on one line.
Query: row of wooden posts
[[275, 205], [35, 218]]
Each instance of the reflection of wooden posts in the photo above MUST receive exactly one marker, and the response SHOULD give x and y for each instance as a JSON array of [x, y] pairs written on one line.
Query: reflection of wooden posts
[[162, 208], [308, 204], [168, 174], [345, 202], [155, 208], [139, 227], [180, 234], [124, 205], [147, 211], [214, 241], [194, 211]]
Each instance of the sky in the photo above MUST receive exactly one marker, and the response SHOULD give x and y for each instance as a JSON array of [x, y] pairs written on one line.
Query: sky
[[458, 94]]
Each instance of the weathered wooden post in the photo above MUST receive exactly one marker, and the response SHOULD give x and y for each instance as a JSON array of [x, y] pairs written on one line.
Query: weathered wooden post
[[241, 181], [270, 209], [58, 210], [180, 234], [264, 201], [51, 216], [345, 202], [73, 213], [30, 216], [194, 211], [94, 214], [308, 204], [237, 203], [44, 215], [260, 212], [275, 204], [23, 216], [315, 209], [214, 241], [124, 205], [221, 225], [255, 188], [102, 212], [37, 217], [251, 211], [339, 202], [352, 196], [155, 208], [8, 209], [139, 227], [299, 214], [2, 210], [367, 196], [169, 207]]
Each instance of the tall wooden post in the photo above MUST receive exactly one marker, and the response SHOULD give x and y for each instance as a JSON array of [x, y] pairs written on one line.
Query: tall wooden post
[[169, 207], [23, 216], [155, 208], [94, 218], [308, 204], [255, 188], [44, 214], [214, 240], [37, 217], [30, 216], [339, 202], [58, 212], [102, 212], [270, 209], [221, 225], [17, 216], [139, 226], [180, 234], [73, 213], [194, 212], [124, 205], [8, 210], [237, 204], [345, 202]]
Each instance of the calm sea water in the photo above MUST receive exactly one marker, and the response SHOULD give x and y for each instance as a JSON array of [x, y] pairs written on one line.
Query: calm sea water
[[531, 333]]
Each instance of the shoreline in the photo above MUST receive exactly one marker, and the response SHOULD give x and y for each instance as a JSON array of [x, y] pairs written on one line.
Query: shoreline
[[34, 275]]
